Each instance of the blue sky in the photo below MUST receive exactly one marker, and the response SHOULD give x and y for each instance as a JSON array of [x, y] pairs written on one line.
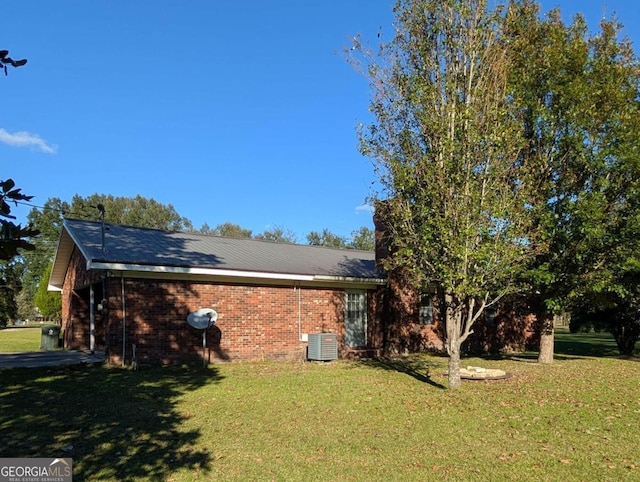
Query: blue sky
[[239, 111]]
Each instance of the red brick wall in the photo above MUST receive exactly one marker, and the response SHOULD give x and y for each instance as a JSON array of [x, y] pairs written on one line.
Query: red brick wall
[[400, 331], [254, 322]]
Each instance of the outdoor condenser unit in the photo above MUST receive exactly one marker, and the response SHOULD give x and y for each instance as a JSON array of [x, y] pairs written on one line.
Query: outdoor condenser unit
[[322, 346]]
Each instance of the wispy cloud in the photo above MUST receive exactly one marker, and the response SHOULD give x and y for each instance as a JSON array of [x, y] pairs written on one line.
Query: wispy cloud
[[364, 208], [26, 139]]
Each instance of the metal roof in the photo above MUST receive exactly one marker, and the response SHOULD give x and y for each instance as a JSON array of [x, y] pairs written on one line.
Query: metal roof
[[129, 248]]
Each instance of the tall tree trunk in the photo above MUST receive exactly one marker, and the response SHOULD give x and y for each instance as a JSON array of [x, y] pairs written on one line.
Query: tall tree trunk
[[454, 367], [545, 355], [453, 320]]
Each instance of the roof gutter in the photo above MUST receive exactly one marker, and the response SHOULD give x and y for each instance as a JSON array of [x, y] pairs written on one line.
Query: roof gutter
[[198, 271], [349, 279], [177, 270]]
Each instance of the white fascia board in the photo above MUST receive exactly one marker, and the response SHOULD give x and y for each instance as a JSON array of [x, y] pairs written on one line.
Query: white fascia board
[[199, 271], [51, 287]]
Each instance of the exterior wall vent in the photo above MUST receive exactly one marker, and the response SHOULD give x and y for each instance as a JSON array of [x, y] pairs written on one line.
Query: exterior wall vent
[[322, 346]]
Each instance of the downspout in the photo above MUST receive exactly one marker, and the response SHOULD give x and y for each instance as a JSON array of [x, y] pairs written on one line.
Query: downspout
[[92, 320], [124, 318], [299, 313], [106, 319]]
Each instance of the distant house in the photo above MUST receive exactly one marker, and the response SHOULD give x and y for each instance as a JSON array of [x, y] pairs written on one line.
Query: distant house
[[124, 286]]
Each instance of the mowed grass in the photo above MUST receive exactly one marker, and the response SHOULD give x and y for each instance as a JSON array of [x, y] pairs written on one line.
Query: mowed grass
[[20, 339], [575, 420]]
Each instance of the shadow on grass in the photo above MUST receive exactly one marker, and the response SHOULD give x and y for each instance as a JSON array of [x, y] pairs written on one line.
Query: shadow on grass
[[116, 424], [412, 366]]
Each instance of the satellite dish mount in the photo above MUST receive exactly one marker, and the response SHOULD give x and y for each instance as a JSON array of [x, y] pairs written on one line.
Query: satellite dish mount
[[203, 319]]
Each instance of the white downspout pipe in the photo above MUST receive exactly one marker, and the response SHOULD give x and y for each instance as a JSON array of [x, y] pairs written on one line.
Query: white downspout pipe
[[299, 313], [124, 318], [92, 320]]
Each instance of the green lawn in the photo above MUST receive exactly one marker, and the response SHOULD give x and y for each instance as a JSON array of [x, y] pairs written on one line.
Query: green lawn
[[20, 339], [575, 420]]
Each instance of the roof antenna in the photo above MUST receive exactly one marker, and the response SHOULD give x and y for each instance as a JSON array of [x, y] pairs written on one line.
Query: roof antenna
[[101, 209]]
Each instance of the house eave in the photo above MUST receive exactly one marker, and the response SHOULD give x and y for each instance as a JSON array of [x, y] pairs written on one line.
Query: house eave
[[349, 279], [133, 270], [125, 267]]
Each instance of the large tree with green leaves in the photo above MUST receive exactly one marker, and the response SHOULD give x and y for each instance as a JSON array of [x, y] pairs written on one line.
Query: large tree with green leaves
[[228, 229], [49, 303], [361, 239], [579, 106], [446, 143], [277, 234], [132, 211], [326, 238], [10, 273]]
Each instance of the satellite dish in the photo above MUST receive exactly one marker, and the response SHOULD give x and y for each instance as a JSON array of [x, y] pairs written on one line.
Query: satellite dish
[[203, 318]]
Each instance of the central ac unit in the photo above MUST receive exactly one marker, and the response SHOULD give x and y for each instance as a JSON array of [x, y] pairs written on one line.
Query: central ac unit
[[322, 346]]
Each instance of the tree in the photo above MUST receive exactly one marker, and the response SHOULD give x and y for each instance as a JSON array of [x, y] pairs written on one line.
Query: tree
[[49, 303], [9, 288], [326, 238], [579, 105], [277, 234], [446, 143], [362, 239], [231, 230], [132, 211], [12, 236]]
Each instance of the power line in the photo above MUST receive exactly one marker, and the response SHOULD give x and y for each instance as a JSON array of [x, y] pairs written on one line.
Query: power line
[[63, 212]]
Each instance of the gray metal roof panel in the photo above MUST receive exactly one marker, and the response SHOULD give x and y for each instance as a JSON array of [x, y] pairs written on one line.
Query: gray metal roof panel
[[143, 246]]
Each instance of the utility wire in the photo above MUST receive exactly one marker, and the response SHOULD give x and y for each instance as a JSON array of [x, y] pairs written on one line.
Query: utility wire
[[63, 212]]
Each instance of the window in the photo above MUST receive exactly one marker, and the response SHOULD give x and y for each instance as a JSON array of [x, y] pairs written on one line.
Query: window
[[356, 318], [426, 310], [490, 313]]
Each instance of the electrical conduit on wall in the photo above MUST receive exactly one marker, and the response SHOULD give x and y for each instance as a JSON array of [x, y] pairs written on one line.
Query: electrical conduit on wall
[[124, 333], [299, 314]]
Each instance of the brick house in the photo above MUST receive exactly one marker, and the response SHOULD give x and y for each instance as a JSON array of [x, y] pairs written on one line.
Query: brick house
[[123, 286]]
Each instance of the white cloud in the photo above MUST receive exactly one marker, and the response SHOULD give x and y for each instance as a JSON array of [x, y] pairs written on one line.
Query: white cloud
[[26, 139], [364, 208]]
